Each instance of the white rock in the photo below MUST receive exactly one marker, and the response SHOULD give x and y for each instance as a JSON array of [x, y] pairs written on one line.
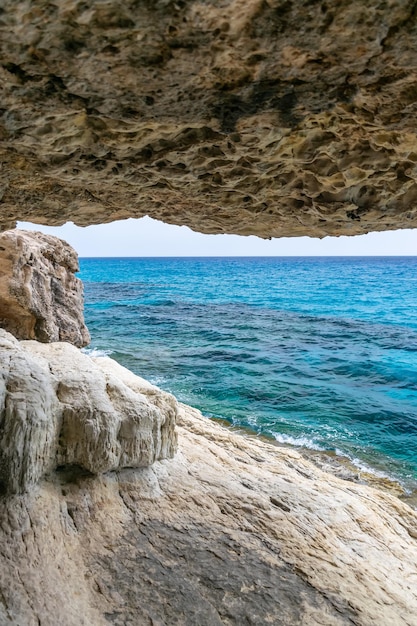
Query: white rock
[[59, 407], [231, 531]]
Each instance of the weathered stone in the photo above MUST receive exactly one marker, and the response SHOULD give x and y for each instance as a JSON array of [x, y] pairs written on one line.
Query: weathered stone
[[264, 117], [231, 531], [254, 117], [40, 298], [60, 408], [29, 418]]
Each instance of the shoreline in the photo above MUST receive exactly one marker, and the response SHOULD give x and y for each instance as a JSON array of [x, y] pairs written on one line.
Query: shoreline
[[328, 461], [217, 528], [336, 465]]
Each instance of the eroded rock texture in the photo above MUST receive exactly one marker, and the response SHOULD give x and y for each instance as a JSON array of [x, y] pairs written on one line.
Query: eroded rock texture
[[60, 408], [267, 117], [231, 531], [40, 298]]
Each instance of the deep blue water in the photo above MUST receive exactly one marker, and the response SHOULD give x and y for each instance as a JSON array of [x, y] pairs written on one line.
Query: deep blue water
[[320, 352]]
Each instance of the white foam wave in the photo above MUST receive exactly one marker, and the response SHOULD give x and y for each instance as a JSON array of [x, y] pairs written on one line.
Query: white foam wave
[[363, 467], [395, 478], [304, 442], [96, 352], [300, 442], [159, 381]]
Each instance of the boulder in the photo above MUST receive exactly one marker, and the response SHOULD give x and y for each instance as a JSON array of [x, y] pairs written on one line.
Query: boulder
[[61, 409], [40, 297]]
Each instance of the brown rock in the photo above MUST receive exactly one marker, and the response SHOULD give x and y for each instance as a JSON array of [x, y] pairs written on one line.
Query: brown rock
[[273, 117], [40, 298]]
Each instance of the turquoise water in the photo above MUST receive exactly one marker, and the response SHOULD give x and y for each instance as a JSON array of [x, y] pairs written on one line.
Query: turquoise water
[[318, 352]]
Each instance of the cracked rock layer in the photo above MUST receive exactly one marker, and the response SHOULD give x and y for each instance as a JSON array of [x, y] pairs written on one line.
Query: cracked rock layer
[[231, 531]]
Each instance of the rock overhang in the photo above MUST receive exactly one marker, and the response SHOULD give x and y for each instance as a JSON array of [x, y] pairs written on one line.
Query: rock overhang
[[263, 117]]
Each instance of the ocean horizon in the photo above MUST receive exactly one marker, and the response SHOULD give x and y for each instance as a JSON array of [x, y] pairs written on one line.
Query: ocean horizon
[[259, 256], [313, 351]]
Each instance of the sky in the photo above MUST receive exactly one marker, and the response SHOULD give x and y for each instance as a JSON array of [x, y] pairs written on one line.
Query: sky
[[148, 237]]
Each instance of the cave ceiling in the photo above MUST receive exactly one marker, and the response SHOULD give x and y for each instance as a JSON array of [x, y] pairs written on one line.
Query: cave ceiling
[[266, 117]]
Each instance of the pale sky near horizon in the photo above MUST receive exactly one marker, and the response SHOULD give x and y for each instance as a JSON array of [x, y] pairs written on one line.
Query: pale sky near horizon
[[148, 237]]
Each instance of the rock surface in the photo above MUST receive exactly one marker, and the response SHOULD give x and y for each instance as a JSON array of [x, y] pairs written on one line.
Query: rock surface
[[231, 531], [60, 409], [266, 117], [40, 298]]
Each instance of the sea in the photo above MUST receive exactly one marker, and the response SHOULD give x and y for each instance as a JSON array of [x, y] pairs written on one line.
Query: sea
[[316, 352]]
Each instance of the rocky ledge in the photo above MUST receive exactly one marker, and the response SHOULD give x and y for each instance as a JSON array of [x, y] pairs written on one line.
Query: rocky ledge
[[230, 531], [60, 409], [262, 117]]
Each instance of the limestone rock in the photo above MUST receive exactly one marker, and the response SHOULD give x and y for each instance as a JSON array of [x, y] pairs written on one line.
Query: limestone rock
[[28, 418], [231, 531], [60, 408], [265, 117], [40, 298]]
